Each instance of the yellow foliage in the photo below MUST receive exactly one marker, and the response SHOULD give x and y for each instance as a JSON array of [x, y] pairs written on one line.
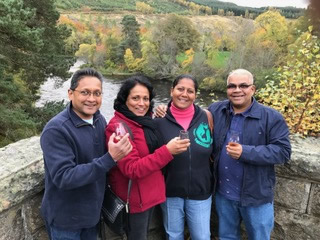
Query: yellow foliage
[[298, 94], [144, 7], [86, 52], [133, 64], [271, 26], [187, 62]]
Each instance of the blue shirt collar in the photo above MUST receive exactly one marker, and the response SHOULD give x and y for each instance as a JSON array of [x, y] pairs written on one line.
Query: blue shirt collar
[[245, 113]]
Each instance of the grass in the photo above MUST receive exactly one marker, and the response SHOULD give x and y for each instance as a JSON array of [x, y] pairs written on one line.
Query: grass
[[220, 59]]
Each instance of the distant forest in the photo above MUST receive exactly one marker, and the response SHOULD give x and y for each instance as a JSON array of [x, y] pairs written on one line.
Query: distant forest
[[206, 7], [288, 12]]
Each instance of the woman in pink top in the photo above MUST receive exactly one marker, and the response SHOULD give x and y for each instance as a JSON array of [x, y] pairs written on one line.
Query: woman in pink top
[[188, 176]]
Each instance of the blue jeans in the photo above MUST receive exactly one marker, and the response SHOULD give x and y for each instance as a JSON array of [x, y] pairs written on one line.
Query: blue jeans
[[258, 220], [196, 212], [81, 234]]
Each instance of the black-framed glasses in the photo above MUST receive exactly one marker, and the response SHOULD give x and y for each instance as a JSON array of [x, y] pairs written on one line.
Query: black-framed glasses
[[86, 93], [241, 86]]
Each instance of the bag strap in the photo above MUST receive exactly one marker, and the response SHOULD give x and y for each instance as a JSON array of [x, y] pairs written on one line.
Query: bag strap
[[130, 181], [127, 128], [210, 120], [211, 125], [128, 195]]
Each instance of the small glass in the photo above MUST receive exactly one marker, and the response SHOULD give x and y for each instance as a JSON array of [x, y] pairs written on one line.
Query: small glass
[[120, 131], [184, 134], [234, 137]]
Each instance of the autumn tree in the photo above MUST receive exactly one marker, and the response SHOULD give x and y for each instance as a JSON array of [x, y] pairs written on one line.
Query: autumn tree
[[178, 30], [297, 95], [152, 64], [133, 64], [208, 10], [272, 27], [220, 12], [111, 41], [144, 8], [173, 35], [261, 47], [86, 52], [239, 56]]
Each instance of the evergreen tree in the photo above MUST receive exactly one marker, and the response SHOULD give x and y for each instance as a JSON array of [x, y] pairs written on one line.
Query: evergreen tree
[[32, 49], [31, 41], [131, 37]]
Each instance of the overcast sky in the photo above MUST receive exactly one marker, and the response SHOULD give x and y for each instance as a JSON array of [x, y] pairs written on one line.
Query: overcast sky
[[266, 3]]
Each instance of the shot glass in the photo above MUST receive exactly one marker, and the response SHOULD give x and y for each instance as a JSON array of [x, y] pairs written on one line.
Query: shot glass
[[184, 134], [234, 137], [120, 131]]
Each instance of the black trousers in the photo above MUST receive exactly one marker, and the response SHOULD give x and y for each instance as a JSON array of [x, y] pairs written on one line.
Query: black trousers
[[139, 225]]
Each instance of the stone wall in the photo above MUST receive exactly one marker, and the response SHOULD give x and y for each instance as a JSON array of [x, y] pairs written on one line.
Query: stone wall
[[297, 198]]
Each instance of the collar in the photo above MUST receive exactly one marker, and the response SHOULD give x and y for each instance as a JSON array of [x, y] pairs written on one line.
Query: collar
[[76, 120], [245, 113], [254, 111], [197, 109], [184, 113]]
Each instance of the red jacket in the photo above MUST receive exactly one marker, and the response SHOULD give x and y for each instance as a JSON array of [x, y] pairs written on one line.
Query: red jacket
[[148, 186]]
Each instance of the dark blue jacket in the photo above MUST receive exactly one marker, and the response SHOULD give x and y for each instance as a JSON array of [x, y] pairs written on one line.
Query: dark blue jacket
[[76, 164], [265, 143], [189, 174]]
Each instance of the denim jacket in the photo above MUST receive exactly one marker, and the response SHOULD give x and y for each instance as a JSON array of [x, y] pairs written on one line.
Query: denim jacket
[[265, 143]]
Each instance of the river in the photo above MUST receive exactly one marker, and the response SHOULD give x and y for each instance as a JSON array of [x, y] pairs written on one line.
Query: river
[[50, 92]]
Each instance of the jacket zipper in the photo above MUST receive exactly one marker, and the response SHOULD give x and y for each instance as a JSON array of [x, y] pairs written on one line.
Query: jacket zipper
[[190, 169]]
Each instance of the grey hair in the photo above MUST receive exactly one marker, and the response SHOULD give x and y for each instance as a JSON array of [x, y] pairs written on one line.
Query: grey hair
[[241, 71]]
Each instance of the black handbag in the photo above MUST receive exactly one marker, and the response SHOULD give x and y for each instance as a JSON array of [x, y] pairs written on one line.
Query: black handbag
[[115, 212]]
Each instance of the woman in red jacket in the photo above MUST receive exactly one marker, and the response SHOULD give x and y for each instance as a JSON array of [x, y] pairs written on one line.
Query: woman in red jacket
[[133, 106]]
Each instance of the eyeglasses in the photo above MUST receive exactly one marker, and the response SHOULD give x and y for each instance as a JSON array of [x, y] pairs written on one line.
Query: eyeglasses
[[86, 93], [241, 86]]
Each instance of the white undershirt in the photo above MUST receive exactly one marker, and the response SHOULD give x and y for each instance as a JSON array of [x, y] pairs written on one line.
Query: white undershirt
[[90, 121]]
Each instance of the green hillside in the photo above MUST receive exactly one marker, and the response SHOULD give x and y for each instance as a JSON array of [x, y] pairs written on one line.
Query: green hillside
[[159, 6], [171, 6]]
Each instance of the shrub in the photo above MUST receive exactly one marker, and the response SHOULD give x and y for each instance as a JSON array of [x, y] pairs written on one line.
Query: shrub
[[297, 96]]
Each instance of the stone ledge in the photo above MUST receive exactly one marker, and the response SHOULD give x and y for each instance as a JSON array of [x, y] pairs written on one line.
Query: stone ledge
[[305, 160], [294, 225], [314, 202], [297, 196], [21, 171], [292, 194]]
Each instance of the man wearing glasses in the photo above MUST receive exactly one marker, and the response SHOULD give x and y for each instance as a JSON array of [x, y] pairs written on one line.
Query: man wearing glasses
[[76, 161], [249, 139]]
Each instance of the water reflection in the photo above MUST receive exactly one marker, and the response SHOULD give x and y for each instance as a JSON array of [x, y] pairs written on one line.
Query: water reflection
[[50, 92]]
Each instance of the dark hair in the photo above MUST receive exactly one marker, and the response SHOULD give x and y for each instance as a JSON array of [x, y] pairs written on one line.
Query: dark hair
[[126, 87], [80, 74], [188, 76]]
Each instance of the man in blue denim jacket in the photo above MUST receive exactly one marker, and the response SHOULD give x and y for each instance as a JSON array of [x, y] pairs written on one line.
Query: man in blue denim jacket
[[249, 139]]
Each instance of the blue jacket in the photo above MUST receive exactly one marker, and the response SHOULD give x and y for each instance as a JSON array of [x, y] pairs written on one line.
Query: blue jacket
[[189, 174], [76, 164], [265, 143]]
